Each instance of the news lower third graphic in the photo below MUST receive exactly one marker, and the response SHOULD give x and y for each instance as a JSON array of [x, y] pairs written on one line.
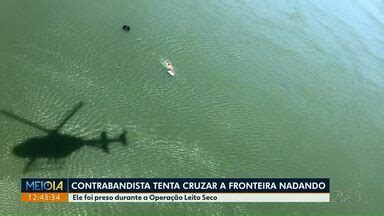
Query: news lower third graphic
[[175, 190]]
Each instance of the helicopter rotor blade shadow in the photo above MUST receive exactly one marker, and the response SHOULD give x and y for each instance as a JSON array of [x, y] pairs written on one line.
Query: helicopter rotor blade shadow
[[25, 121], [70, 115], [30, 162]]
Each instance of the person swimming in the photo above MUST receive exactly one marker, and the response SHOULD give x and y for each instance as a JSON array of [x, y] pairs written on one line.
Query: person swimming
[[169, 66]]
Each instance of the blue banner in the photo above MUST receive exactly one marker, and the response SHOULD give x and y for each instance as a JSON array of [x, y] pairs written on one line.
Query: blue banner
[[178, 185]]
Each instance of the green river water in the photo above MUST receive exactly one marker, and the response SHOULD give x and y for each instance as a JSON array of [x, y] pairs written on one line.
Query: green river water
[[263, 89]]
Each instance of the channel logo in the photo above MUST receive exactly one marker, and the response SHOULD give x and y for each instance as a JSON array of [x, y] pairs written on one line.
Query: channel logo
[[44, 185]]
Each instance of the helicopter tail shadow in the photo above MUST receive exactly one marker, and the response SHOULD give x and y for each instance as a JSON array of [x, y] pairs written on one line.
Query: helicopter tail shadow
[[123, 138], [105, 141]]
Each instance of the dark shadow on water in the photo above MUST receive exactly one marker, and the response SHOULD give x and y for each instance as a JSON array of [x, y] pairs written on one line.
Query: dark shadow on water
[[56, 145]]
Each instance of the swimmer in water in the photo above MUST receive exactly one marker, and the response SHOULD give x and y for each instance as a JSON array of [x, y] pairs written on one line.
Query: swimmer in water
[[169, 66]]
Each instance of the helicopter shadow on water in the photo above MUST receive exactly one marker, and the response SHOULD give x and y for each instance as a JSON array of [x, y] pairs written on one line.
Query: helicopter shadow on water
[[56, 145]]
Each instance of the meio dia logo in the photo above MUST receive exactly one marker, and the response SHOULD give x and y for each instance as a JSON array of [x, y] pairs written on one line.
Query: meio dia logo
[[44, 185]]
